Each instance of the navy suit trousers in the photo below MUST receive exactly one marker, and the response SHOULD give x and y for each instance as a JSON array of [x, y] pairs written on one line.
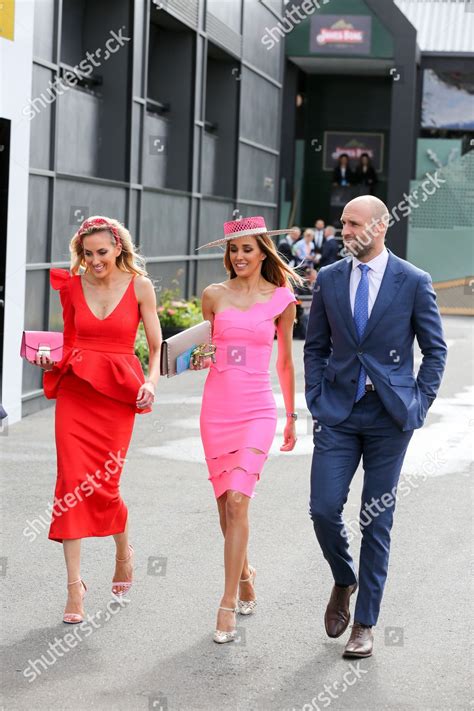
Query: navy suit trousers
[[370, 434]]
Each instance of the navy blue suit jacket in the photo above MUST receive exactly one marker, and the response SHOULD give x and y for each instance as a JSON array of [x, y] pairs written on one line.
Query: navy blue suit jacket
[[330, 252], [405, 308]]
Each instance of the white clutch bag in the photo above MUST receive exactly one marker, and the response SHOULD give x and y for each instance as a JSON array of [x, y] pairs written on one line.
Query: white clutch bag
[[177, 351]]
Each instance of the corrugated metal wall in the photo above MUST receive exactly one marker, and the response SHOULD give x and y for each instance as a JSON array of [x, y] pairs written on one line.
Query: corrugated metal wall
[[442, 25]]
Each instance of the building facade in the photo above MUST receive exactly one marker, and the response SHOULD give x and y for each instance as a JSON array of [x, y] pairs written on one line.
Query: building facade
[[176, 115], [164, 114], [395, 80]]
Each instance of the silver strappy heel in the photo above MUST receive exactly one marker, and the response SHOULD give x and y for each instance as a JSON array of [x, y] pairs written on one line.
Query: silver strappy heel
[[222, 637], [247, 607]]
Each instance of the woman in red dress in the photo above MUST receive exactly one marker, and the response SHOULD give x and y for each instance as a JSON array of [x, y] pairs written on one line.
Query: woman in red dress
[[99, 386]]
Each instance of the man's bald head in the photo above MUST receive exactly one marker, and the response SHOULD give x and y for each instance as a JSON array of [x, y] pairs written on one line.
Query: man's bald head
[[364, 224], [376, 209]]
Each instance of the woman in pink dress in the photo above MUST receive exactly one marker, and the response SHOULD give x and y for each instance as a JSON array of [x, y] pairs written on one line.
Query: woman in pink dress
[[238, 414]]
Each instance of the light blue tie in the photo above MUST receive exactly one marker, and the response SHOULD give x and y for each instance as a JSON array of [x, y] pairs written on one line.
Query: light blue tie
[[361, 316]]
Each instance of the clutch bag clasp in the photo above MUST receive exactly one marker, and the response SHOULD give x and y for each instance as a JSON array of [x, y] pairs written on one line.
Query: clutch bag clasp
[[205, 350]]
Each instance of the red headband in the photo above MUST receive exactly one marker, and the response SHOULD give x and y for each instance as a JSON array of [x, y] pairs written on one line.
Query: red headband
[[97, 222]]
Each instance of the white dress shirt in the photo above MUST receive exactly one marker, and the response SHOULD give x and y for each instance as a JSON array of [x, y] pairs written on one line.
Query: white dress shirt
[[374, 275]]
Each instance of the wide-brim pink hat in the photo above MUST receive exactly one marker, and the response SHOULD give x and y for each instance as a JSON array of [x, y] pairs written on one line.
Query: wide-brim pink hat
[[244, 227]]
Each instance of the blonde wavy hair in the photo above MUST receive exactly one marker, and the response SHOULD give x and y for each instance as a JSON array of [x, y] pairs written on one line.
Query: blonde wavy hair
[[129, 259], [274, 268]]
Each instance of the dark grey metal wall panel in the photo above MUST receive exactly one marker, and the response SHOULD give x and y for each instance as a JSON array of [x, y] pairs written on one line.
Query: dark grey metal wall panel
[[219, 148], [32, 378], [155, 150], [41, 100], [197, 163], [76, 200], [210, 271], [38, 204], [73, 24], [133, 219], [257, 20], [43, 38], [209, 183], [164, 224], [229, 13], [78, 133], [137, 111], [223, 35], [35, 299], [212, 216], [55, 311], [170, 82], [257, 175], [269, 214], [167, 275], [91, 28], [260, 101]]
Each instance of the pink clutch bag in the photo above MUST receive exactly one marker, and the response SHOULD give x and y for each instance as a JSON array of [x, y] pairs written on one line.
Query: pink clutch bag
[[47, 343]]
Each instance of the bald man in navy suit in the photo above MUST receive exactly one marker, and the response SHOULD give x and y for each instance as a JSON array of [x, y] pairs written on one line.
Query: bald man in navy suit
[[366, 401]]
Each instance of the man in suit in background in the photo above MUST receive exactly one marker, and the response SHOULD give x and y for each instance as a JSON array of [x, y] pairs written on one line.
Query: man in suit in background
[[319, 234], [331, 247], [366, 402]]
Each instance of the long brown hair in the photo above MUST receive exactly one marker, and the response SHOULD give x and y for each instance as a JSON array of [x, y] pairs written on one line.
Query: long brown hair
[[274, 269], [129, 260]]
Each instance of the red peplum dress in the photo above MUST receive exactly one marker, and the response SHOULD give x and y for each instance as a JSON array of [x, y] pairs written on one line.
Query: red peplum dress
[[95, 386]]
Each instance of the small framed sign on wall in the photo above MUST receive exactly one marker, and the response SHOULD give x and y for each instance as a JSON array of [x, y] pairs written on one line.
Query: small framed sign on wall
[[353, 144], [341, 34]]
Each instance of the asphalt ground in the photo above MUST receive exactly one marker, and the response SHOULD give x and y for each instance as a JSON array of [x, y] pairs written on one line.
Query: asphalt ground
[[156, 651]]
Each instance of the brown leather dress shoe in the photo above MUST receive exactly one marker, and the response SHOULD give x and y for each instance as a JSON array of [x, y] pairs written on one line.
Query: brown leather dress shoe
[[338, 615], [360, 643]]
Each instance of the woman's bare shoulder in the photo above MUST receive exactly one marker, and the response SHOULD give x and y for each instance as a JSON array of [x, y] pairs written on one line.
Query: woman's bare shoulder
[[143, 287], [215, 290]]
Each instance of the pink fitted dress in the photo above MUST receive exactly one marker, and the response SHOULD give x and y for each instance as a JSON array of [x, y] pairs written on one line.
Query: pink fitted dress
[[238, 407]]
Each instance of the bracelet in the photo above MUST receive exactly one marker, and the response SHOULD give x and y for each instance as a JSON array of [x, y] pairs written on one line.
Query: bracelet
[[293, 415]]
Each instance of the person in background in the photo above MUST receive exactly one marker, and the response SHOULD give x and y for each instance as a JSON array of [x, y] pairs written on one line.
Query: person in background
[[331, 247], [304, 293], [305, 250], [285, 248], [365, 174], [319, 234], [343, 175]]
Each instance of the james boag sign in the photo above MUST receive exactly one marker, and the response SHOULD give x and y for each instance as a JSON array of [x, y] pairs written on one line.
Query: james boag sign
[[333, 34]]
